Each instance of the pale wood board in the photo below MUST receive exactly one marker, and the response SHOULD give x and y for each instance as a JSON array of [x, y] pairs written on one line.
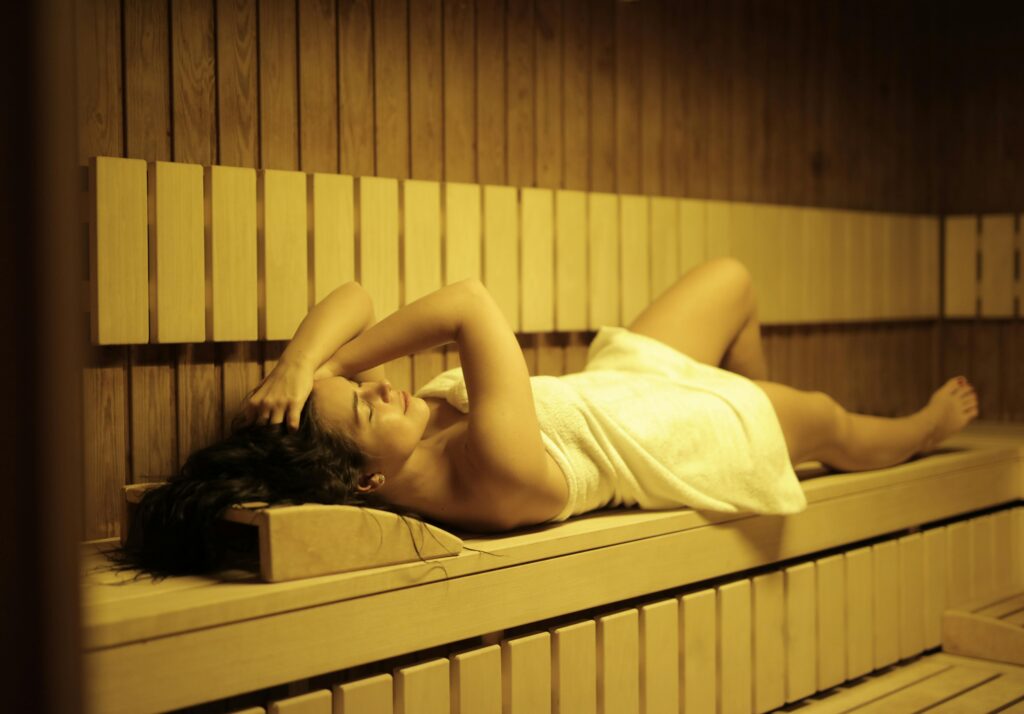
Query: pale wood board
[[692, 233], [378, 242], [422, 254], [501, 249], [603, 257], [537, 248], [476, 681], [664, 244], [285, 253], [769, 641], [177, 253], [333, 240], [860, 612], [831, 608], [960, 254], [801, 646], [526, 674], [735, 678], [698, 651], [574, 668], [423, 688], [618, 663], [934, 562], [878, 688], [634, 255], [659, 657], [988, 697], [463, 230], [886, 557], [118, 251], [570, 260], [318, 702], [373, 694], [1003, 552], [983, 576], [959, 567], [912, 625], [231, 195], [930, 691], [928, 257], [996, 245]]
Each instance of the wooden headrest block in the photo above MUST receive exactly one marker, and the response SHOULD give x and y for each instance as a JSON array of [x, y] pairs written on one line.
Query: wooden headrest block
[[318, 539]]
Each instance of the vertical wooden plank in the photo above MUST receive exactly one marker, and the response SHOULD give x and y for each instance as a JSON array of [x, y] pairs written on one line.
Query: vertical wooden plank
[[912, 596], [476, 681], [318, 86], [815, 295], [365, 695], [801, 659], [603, 222], [652, 98], [147, 110], [960, 298], [860, 612], [664, 244], [959, 564], [193, 82], [575, 93], [118, 253], [602, 96], [692, 234], [378, 242], [526, 674], [570, 260], [501, 249], [996, 246], [548, 93], [659, 658], [1018, 553], [519, 62], [790, 241], [237, 93], [886, 558], [773, 271], [831, 607], [983, 557], [735, 678], [618, 663], [100, 93], [428, 76], [391, 87], [318, 702], [934, 564], [233, 262], [698, 651], [719, 228], [460, 147], [574, 668], [462, 231], [356, 85], [333, 242], [422, 255], [423, 689], [859, 268], [634, 255], [1003, 545], [279, 96], [491, 69], [177, 265], [928, 235], [538, 270], [628, 74], [769, 642], [284, 253]]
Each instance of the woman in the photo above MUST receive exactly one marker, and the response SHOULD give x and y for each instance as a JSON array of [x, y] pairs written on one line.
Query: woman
[[651, 421]]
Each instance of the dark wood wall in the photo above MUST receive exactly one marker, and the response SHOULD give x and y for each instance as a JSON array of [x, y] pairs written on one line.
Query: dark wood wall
[[797, 101]]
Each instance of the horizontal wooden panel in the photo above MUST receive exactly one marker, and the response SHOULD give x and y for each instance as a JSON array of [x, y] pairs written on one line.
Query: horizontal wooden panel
[[119, 252]]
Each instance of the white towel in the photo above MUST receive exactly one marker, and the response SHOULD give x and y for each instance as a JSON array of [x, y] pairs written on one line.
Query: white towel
[[647, 425]]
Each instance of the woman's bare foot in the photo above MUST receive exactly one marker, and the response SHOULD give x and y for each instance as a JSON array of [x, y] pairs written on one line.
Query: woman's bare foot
[[953, 406]]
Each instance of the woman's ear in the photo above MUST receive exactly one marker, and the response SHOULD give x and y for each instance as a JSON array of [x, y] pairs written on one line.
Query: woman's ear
[[370, 482]]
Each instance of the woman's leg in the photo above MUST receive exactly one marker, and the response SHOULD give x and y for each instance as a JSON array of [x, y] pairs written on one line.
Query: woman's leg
[[710, 314], [817, 428]]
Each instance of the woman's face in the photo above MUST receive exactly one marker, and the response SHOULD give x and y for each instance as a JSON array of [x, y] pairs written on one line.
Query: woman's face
[[384, 423]]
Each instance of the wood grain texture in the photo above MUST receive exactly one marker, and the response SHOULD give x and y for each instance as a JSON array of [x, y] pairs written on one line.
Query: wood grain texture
[[279, 94], [193, 82], [659, 657], [476, 681], [147, 80], [912, 585], [366, 695], [698, 648], [520, 62], [735, 643], [356, 77], [886, 558], [526, 674], [391, 87], [801, 645], [428, 76], [602, 149], [548, 95], [574, 668], [618, 663], [491, 71], [460, 98], [423, 688], [237, 91], [769, 641], [318, 85]]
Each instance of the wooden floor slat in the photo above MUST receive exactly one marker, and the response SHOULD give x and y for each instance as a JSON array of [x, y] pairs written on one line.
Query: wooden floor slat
[[929, 692], [1004, 689], [876, 688]]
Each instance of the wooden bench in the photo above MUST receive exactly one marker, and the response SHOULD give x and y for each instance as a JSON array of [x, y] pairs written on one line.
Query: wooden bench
[[791, 605]]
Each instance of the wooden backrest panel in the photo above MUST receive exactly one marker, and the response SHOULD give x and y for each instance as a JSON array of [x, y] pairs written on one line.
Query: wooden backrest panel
[[284, 253], [501, 250], [603, 244], [570, 261], [463, 223], [997, 246], [332, 241], [422, 216], [537, 242], [961, 266], [378, 242], [232, 267]]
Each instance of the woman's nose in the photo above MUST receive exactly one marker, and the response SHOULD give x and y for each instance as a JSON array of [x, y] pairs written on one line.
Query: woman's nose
[[384, 390]]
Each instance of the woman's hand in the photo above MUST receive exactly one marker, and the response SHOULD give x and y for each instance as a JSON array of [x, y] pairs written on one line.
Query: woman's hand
[[280, 396]]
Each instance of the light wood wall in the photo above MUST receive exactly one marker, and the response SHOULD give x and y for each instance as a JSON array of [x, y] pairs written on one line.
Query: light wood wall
[[799, 102]]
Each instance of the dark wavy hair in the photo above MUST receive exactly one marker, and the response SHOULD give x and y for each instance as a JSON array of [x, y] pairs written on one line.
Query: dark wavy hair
[[177, 528]]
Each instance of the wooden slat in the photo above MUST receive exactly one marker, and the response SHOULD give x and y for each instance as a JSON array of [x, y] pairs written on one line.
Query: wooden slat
[[692, 234], [860, 612], [664, 243], [284, 253], [996, 245], [959, 564], [462, 232], [628, 147], [177, 246], [537, 246], [547, 83], [719, 228], [233, 253], [603, 222], [659, 658], [618, 663], [391, 88], [1018, 549], [634, 246], [476, 681], [735, 680], [526, 674], [815, 289], [652, 87], [886, 558], [743, 235], [903, 269], [988, 697], [769, 642], [490, 91], [422, 255], [427, 80], [934, 562], [831, 606], [698, 651], [928, 236], [278, 76], [147, 77], [602, 66], [859, 267], [520, 90], [769, 284], [459, 62], [318, 85], [983, 558], [1003, 552], [423, 688], [193, 83], [378, 242], [800, 632], [570, 260], [930, 691], [789, 239], [365, 695], [876, 689], [118, 252], [355, 77], [840, 259], [960, 297], [501, 249], [333, 245], [574, 668], [318, 702], [912, 587], [885, 236]]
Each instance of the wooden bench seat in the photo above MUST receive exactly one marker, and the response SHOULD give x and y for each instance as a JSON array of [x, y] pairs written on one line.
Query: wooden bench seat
[[152, 646]]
